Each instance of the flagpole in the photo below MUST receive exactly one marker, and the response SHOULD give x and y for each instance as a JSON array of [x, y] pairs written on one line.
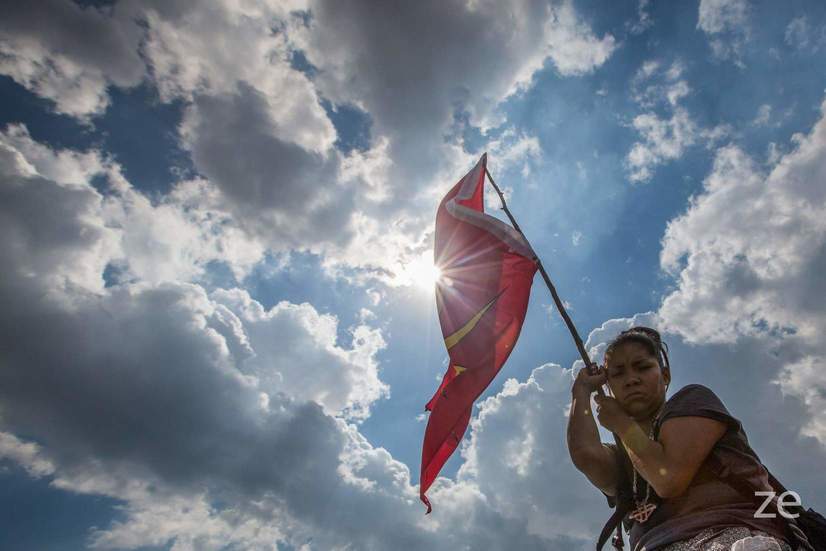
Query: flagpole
[[559, 305], [617, 540]]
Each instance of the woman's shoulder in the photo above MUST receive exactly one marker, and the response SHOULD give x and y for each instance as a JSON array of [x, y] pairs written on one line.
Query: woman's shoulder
[[700, 401], [694, 394], [693, 389]]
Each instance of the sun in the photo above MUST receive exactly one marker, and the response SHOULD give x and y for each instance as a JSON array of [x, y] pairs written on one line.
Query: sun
[[422, 273]]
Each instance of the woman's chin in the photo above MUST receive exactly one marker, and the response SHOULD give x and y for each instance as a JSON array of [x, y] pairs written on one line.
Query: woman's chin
[[637, 408]]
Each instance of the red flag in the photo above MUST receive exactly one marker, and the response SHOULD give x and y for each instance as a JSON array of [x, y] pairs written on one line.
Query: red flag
[[482, 295]]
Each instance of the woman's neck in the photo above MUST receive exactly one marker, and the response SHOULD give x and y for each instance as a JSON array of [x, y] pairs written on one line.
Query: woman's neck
[[646, 424], [646, 421]]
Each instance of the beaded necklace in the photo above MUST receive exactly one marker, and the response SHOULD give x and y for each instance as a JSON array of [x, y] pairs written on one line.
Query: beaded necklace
[[644, 509]]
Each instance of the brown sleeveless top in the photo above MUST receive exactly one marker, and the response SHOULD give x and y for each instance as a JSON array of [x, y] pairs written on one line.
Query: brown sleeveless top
[[707, 502]]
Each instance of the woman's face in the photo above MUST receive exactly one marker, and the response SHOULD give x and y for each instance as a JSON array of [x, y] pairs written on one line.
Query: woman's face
[[635, 379]]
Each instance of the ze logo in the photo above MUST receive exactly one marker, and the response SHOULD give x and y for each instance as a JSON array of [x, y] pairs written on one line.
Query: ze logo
[[781, 503]]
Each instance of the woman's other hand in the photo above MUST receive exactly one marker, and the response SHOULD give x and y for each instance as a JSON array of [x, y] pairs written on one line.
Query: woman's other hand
[[611, 415]]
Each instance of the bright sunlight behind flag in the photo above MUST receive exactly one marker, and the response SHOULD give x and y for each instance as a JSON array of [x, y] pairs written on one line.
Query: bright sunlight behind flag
[[482, 295]]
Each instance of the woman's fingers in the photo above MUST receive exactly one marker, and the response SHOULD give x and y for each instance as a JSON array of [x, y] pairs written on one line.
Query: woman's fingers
[[591, 381], [597, 377]]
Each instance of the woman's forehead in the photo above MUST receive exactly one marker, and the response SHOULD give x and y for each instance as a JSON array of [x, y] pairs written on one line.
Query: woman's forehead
[[628, 350]]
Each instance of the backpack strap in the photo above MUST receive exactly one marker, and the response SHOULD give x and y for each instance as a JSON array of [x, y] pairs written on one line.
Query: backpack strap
[[613, 522], [622, 501]]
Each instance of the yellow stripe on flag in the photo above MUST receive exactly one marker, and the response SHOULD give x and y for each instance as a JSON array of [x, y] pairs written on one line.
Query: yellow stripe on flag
[[454, 339]]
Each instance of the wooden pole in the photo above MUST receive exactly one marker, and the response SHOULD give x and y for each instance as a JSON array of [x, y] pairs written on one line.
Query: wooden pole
[[617, 540], [559, 305]]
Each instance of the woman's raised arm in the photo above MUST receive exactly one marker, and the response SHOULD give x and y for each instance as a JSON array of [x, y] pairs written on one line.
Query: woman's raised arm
[[670, 463], [588, 454]]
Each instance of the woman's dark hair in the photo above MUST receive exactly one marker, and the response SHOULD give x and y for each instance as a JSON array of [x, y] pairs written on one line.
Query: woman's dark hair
[[649, 338]]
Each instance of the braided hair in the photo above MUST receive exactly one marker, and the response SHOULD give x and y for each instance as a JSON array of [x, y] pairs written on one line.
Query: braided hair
[[649, 338]]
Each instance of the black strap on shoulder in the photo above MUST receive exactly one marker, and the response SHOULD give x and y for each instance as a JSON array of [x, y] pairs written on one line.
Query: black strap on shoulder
[[622, 501], [613, 522]]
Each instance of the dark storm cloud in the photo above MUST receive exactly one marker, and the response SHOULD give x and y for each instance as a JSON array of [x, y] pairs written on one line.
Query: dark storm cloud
[[412, 65], [287, 194], [68, 53], [89, 35]]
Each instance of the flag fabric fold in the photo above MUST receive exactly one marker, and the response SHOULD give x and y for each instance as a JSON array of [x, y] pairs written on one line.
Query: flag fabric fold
[[487, 268]]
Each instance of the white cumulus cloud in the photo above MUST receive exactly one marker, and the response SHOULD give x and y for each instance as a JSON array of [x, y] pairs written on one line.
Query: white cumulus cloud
[[749, 254]]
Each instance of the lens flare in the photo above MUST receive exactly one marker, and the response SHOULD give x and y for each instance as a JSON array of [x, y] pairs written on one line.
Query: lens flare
[[421, 273]]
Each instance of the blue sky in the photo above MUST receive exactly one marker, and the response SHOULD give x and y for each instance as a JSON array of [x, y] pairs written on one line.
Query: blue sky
[[217, 328]]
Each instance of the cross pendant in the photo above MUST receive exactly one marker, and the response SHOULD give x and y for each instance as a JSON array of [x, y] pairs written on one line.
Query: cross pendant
[[642, 512]]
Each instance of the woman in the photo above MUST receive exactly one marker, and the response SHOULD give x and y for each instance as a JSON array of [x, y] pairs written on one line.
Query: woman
[[679, 504]]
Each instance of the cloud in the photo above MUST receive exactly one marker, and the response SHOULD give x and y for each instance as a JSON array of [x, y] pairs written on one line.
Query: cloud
[[256, 130], [717, 16], [518, 456], [189, 523], [644, 21], [150, 407], [25, 454], [572, 46], [70, 54], [764, 113], [514, 148], [801, 36], [437, 60], [663, 139], [51, 227], [398, 65], [805, 379], [258, 133], [180, 235], [214, 421], [289, 198], [253, 54], [255, 123], [173, 239], [653, 83], [299, 336], [142, 392], [277, 188], [576, 238], [272, 158], [748, 257], [726, 22], [797, 32], [511, 150], [66, 167]]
